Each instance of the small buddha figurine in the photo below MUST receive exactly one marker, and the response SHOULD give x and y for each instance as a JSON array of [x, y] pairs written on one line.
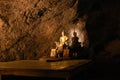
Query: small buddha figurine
[[63, 39], [61, 44]]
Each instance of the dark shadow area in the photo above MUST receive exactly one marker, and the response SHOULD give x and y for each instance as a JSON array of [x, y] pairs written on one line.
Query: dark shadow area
[[94, 71], [11, 77]]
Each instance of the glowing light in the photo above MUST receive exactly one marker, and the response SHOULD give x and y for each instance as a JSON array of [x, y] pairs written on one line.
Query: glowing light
[[78, 33], [79, 28]]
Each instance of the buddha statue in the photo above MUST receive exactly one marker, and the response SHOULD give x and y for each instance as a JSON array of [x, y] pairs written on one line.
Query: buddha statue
[[61, 44], [63, 39]]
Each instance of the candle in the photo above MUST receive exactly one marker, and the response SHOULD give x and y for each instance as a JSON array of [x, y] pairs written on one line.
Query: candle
[[53, 53]]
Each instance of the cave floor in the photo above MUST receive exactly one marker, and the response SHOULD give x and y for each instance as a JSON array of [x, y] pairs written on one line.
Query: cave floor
[[94, 72]]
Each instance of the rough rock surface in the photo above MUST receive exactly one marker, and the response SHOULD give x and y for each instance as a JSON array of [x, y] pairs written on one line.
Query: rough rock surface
[[29, 28]]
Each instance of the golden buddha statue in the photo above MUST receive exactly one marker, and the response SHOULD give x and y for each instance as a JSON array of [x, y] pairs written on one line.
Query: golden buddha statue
[[61, 44], [63, 39]]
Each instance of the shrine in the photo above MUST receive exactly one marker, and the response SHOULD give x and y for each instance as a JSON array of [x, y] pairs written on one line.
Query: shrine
[[59, 39], [67, 47]]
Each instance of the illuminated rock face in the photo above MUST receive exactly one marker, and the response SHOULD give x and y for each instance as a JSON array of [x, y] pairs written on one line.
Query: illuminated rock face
[[30, 27]]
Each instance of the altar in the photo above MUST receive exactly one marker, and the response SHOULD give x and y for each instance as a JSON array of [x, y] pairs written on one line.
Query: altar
[[41, 68], [67, 47]]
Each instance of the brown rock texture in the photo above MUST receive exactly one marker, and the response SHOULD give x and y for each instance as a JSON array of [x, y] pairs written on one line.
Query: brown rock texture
[[29, 28]]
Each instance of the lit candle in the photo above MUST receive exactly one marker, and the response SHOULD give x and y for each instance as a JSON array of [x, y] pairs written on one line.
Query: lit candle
[[53, 53]]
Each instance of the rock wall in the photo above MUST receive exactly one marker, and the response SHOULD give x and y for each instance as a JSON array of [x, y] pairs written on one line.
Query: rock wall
[[29, 28]]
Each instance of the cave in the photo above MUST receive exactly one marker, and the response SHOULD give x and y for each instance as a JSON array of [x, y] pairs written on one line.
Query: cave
[[30, 28]]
